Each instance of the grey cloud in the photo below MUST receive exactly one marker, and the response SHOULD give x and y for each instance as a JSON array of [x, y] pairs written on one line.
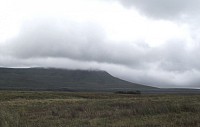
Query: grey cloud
[[84, 45], [174, 56], [77, 41], [167, 9], [177, 56], [47, 62]]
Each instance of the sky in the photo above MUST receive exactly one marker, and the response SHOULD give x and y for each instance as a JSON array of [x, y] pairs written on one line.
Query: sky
[[152, 42]]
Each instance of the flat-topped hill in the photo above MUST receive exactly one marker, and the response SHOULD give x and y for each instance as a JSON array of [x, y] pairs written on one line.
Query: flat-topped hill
[[51, 78]]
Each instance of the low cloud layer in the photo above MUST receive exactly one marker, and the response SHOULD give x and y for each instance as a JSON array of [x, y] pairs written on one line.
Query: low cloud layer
[[55, 44], [76, 41]]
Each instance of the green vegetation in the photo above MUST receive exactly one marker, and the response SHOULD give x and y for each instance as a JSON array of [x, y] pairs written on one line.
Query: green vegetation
[[128, 92], [64, 109], [62, 79]]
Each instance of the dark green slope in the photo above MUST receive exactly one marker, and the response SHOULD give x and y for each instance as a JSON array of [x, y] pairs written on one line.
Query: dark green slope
[[50, 78]]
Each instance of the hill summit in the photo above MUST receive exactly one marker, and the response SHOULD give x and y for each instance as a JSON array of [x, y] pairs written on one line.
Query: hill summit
[[64, 79]]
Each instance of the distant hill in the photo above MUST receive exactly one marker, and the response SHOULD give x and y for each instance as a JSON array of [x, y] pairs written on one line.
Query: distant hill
[[63, 79]]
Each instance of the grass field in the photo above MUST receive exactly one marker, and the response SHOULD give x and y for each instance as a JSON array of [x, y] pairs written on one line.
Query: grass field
[[57, 109]]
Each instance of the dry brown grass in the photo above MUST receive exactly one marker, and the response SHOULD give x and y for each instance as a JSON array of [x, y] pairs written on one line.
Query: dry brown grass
[[56, 109]]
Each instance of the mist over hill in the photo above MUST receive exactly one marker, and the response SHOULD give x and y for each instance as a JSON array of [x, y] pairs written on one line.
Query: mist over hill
[[52, 78]]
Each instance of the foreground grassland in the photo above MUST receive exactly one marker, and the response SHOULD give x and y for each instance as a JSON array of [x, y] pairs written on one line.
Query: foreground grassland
[[56, 109]]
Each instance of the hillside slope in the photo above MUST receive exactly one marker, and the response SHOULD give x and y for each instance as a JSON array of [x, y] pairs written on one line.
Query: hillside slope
[[50, 78]]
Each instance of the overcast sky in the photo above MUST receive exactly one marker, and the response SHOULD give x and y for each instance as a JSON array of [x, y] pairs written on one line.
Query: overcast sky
[[153, 42]]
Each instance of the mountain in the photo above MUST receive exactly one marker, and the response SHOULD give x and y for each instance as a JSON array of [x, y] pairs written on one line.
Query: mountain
[[51, 78]]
